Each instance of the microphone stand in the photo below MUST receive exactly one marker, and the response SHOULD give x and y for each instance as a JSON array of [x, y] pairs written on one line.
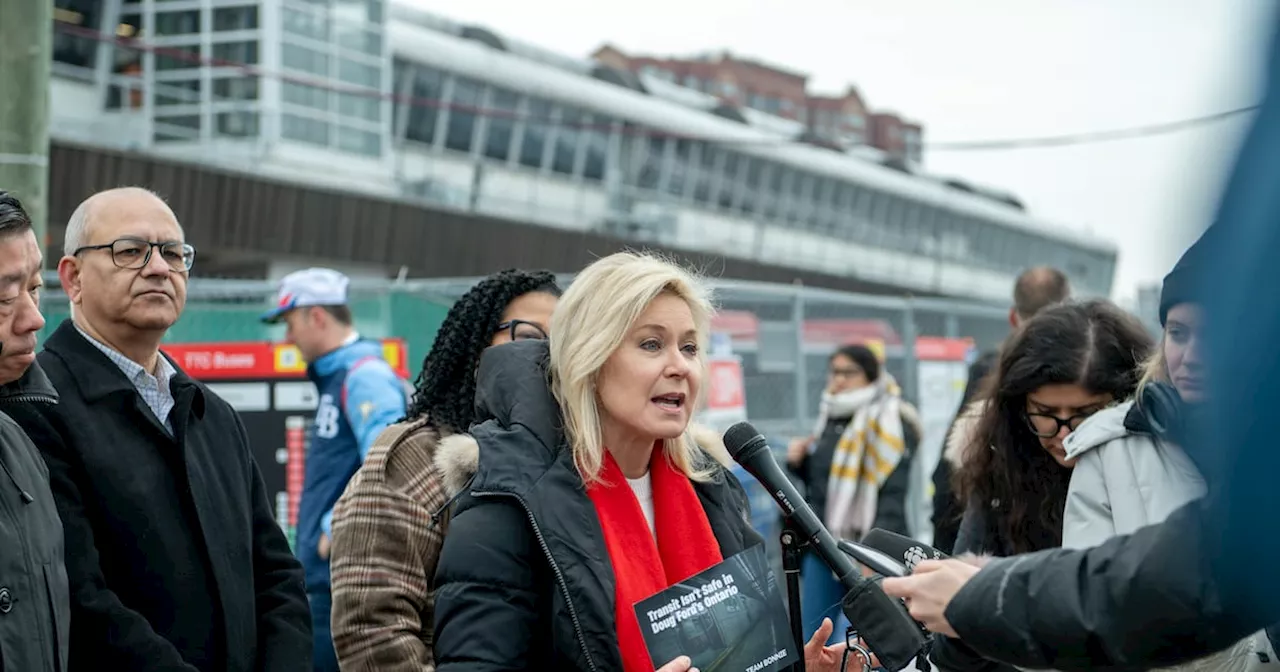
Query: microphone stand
[[792, 550]]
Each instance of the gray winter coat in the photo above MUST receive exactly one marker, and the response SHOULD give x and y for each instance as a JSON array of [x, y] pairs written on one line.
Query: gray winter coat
[[35, 611], [1124, 481]]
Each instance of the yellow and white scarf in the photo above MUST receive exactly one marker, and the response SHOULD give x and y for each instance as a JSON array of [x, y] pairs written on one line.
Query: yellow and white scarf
[[866, 454]]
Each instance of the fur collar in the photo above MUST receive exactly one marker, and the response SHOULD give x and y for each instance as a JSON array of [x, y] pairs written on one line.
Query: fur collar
[[458, 456], [962, 431], [911, 418]]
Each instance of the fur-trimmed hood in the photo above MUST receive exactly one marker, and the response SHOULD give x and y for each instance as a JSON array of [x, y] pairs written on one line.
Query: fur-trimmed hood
[[962, 432], [458, 456], [911, 419]]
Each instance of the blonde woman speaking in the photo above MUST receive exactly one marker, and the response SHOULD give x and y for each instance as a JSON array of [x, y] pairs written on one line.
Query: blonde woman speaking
[[589, 491]]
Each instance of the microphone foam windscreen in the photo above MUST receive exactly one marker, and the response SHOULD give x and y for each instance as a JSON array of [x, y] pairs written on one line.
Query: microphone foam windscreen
[[738, 437]]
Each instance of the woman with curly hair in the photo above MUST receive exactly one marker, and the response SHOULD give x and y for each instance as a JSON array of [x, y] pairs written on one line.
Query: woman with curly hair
[[1065, 364], [389, 525]]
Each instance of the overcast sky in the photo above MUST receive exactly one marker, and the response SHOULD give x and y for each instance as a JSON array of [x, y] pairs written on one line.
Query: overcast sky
[[985, 69]]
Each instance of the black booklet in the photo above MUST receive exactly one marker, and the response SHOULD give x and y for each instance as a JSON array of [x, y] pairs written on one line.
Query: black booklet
[[729, 618]]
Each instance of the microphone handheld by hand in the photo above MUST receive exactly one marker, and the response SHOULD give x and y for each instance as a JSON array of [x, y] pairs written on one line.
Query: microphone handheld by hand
[[902, 549], [881, 621], [877, 560]]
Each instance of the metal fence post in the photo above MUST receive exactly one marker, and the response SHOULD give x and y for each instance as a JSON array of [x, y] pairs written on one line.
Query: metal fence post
[[909, 369], [801, 373], [951, 326]]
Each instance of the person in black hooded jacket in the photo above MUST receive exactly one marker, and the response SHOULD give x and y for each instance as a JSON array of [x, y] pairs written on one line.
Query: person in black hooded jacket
[[530, 575]]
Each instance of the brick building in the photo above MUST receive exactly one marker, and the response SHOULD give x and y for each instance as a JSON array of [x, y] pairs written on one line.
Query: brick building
[[843, 120]]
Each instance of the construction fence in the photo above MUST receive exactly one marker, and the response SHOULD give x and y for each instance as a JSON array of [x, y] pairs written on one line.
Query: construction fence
[[778, 336], [782, 333]]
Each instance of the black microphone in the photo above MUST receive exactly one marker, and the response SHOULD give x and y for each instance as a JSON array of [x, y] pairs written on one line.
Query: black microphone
[[905, 550], [879, 561], [749, 449], [881, 621]]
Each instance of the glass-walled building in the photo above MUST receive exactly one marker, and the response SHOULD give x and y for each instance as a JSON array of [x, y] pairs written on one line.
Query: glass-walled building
[[312, 72], [381, 98]]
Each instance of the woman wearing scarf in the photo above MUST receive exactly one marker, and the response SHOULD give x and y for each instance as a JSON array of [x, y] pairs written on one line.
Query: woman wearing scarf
[[583, 489], [856, 468], [1138, 462]]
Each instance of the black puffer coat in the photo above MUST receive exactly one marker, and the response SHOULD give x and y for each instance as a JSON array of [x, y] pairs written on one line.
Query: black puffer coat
[[524, 580]]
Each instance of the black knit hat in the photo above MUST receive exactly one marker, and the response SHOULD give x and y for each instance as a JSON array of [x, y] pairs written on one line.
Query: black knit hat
[[1185, 282]]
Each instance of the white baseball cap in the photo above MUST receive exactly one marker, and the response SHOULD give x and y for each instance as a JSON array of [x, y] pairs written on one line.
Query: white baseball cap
[[308, 287]]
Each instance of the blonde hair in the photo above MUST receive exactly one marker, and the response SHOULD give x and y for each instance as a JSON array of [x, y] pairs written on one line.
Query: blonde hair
[[589, 323], [1156, 368]]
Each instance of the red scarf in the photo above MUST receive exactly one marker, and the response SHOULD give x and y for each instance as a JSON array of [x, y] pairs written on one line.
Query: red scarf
[[644, 563]]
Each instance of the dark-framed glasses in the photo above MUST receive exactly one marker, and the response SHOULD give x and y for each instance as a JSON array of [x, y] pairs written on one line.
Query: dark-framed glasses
[[850, 372], [519, 330], [1047, 426], [135, 253]]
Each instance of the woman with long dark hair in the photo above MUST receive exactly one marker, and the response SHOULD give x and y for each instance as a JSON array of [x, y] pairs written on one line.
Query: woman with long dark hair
[[1064, 365], [388, 527]]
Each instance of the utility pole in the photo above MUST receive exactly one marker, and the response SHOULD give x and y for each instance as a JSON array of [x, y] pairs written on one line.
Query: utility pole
[[26, 55]]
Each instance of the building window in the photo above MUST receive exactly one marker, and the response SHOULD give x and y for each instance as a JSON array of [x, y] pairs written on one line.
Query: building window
[[567, 134], [358, 39], [235, 88], [305, 60], [313, 24], [304, 129], [180, 92], [235, 18], [537, 127], [360, 106], [502, 123], [238, 124], [359, 141], [77, 50], [596, 137], [177, 23], [305, 95], [178, 57], [179, 127], [423, 109], [359, 74], [462, 113], [235, 53]]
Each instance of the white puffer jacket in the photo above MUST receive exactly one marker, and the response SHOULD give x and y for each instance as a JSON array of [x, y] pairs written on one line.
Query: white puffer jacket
[[1123, 481]]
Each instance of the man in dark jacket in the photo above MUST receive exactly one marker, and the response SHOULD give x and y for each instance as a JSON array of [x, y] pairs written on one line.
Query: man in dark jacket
[[1202, 579], [1036, 289], [174, 557], [35, 610]]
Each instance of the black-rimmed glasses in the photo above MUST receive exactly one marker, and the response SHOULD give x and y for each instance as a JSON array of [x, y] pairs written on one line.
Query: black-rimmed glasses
[[1047, 426], [135, 253], [519, 330]]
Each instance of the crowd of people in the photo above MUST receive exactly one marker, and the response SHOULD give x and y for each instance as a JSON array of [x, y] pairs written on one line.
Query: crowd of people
[[544, 474], [442, 526]]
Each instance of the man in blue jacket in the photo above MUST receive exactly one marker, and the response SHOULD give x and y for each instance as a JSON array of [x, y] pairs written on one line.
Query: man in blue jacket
[[360, 395]]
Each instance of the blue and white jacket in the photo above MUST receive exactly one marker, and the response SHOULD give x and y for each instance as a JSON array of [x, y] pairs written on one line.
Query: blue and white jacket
[[360, 395]]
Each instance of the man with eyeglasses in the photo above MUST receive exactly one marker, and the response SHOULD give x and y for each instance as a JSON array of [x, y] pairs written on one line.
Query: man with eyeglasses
[[173, 554], [359, 396]]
